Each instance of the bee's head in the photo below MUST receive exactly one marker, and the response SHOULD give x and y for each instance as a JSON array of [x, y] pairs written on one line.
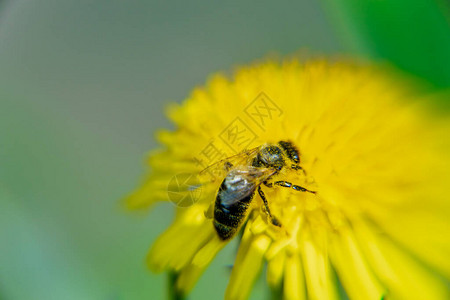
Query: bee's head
[[270, 156]]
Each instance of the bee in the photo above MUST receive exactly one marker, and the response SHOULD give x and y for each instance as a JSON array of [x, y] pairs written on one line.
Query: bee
[[245, 173]]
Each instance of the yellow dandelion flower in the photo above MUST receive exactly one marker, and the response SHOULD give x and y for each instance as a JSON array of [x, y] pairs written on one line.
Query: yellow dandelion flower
[[378, 163]]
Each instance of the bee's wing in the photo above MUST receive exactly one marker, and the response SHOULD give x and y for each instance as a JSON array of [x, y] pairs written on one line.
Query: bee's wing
[[209, 213], [222, 167], [242, 182], [253, 174]]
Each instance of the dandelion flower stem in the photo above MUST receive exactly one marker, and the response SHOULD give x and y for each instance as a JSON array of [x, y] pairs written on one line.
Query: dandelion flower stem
[[173, 292]]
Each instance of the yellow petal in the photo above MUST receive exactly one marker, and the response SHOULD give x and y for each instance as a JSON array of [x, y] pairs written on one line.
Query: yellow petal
[[403, 275], [190, 232], [187, 278], [426, 234], [247, 266], [294, 281], [145, 196], [275, 269], [318, 277], [354, 273], [189, 275], [206, 254]]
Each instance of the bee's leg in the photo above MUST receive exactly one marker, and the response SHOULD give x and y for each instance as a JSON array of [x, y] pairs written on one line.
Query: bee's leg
[[227, 166], [295, 187], [298, 168], [272, 219], [268, 184]]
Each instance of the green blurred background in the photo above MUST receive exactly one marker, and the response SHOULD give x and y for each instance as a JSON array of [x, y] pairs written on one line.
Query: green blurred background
[[83, 86]]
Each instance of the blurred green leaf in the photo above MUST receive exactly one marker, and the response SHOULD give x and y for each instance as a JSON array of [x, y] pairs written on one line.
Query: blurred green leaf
[[412, 34]]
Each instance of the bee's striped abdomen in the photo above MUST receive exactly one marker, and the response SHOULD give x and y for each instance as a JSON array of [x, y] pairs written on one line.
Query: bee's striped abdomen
[[228, 219]]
